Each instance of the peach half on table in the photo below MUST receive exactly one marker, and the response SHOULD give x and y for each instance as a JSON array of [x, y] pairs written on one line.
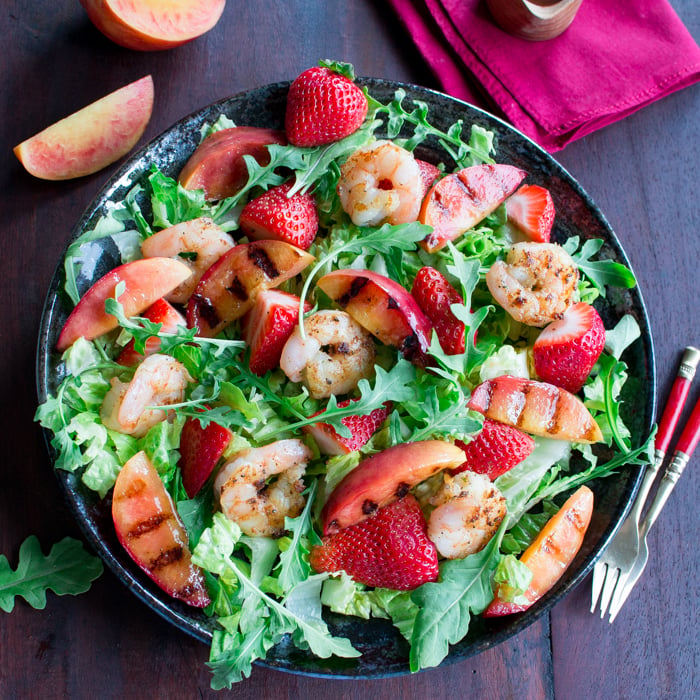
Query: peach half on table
[[459, 201], [383, 307], [385, 477], [146, 280], [150, 530], [535, 407], [91, 138], [153, 25], [218, 166]]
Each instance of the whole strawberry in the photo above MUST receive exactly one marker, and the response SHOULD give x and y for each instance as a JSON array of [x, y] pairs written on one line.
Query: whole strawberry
[[566, 350], [276, 216], [434, 294], [324, 105], [495, 450], [390, 549]]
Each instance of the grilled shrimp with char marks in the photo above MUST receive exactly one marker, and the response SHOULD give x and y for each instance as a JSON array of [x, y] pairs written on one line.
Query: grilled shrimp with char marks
[[335, 353], [131, 407], [247, 497], [535, 284], [469, 510], [381, 183]]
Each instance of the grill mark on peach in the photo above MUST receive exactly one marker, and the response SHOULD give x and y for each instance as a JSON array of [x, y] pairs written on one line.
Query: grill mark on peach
[[402, 490], [167, 558], [206, 311], [369, 507], [263, 262], [236, 289], [356, 286], [143, 527], [553, 425], [133, 489]]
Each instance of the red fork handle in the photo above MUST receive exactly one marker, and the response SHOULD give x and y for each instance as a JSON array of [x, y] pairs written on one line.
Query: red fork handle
[[676, 400], [690, 436]]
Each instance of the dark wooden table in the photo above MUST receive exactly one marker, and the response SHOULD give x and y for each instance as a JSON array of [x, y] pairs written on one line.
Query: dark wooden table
[[643, 174]]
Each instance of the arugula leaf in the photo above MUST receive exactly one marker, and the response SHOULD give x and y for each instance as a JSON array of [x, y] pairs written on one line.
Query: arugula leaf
[[601, 273], [67, 570], [445, 608]]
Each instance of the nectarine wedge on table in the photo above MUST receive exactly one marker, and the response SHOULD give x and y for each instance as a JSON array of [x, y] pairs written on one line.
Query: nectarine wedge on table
[[146, 281], [535, 407], [91, 138], [551, 552], [150, 530], [385, 477], [217, 165], [153, 25], [461, 200]]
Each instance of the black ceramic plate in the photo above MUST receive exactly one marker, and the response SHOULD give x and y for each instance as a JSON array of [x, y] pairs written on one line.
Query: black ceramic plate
[[384, 652]]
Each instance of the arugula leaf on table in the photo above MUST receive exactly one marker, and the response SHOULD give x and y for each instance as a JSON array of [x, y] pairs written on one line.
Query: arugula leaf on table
[[67, 570], [600, 273], [445, 608]]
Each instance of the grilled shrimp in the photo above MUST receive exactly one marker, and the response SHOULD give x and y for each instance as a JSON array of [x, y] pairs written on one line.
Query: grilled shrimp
[[199, 243], [129, 407], [535, 284], [334, 355], [246, 497], [469, 509], [381, 183]]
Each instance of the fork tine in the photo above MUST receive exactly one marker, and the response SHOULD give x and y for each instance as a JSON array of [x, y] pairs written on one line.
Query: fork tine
[[611, 580], [599, 571]]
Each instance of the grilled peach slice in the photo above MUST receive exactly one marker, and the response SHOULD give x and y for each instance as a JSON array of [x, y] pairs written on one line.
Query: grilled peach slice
[[230, 286], [535, 407], [91, 138], [150, 530], [385, 477], [551, 552], [383, 307], [217, 165], [461, 200], [153, 25], [146, 281]]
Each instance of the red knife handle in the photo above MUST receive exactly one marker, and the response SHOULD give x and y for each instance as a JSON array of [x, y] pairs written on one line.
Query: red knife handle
[[690, 436], [676, 400]]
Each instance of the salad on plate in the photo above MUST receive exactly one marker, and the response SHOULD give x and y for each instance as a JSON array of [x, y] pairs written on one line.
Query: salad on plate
[[343, 365]]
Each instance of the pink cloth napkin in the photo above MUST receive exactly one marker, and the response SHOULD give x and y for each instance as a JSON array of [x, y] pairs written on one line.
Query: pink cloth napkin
[[616, 57]]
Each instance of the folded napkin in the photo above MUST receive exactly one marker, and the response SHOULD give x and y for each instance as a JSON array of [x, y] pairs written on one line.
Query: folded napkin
[[616, 57]]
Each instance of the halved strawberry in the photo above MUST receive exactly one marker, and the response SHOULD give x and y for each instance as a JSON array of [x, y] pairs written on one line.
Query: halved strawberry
[[276, 216], [324, 105], [434, 294], [267, 327], [200, 450], [495, 450], [566, 350], [531, 210], [428, 174], [390, 549], [361, 427], [159, 312]]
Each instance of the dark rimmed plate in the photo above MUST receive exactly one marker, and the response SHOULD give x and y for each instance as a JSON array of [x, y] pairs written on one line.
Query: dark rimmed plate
[[384, 652]]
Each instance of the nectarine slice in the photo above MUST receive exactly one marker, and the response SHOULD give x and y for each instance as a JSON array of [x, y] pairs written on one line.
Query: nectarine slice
[[217, 165], [152, 25], [461, 200], [551, 552], [146, 281], [535, 407], [385, 477], [92, 138], [230, 286], [383, 307], [149, 529]]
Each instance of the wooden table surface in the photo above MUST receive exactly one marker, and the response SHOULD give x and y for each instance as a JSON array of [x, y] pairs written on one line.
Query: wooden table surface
[[643, 174]]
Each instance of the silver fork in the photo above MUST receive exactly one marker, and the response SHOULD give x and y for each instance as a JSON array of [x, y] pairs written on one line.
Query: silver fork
[[686, 445], [618, 560]]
